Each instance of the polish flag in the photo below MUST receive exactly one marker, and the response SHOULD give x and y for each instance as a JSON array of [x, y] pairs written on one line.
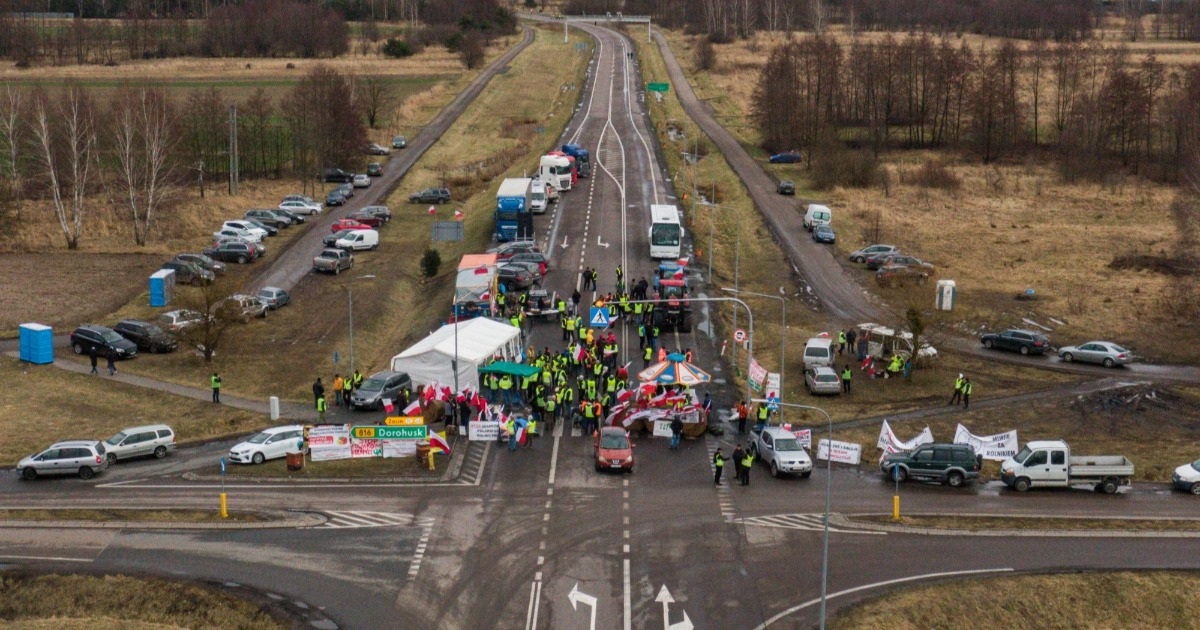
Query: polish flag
[[458, 216], [437, 441], [579, 353], [388, 406], [413, 409], [432, 210], [624, 395]]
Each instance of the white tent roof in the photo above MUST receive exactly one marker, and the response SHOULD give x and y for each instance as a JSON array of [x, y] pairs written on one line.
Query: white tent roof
[[479, 339]]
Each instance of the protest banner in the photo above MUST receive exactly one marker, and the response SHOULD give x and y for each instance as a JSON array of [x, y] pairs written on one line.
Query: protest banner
[[483, 431], [843, 452], [998, 447]]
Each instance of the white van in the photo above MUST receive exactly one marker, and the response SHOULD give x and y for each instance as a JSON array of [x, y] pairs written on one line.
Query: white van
[[154, 439], [818, 352], [817, 215], [537, 197], [358, 240]]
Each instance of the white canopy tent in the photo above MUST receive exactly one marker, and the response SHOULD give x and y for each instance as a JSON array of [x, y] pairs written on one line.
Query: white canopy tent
[[479, 340]]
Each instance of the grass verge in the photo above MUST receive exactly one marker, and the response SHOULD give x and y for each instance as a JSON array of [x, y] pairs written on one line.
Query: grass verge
[[43, 404], [149, 516], [119, 601], [1080, 601], [978, 523], [340, 468]]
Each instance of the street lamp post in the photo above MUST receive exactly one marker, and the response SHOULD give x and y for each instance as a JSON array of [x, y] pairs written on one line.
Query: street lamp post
[[350, 308], [782, 332], [828, 493]]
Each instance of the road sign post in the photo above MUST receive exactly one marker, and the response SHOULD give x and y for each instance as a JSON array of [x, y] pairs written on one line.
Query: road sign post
[[598, 317], [376, 432], [224, 501], [658, 87]]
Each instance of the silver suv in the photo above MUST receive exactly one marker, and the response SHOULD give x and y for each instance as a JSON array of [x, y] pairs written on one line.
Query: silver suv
[[381, 385], [72, 457], [154, 439]]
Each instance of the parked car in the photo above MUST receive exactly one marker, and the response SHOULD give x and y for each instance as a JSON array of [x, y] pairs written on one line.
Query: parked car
[[335, 198], [374, 169], [301, 207], [612, 449], [71, 457], [233, 251], [951, 464], [1187, 478], [181, 319], [533, 268], [1017, 340], [329, 239], [779, 449], [269, 218], [900, 275], [507, 250], [514, 277], [876, 262], [366, 218], [861, 255], [304, 198], [202, 261], [399, 142], [822, 380], [375, 149], [246, 226], [103, 339], [146, 336], [537, 258], [347, 189], [271, 443], [348, 224], [242, 307], [189, 273], [823, 234], [382, 212], [358, 240], [333, 260], [269, 229], [378, 387], [1105, 353], [337, 176], [228, 233], [295, 217], [362, 180], [789, 157], [786, 187], [273, 297], [430, 195], [153, 439]]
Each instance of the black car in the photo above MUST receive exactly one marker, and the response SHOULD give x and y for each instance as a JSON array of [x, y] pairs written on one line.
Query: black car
[[382, 212], [268, 218], [430, 195], [202, 261], [1017, 340], [337, 176], [786, 187], [347, 189], [374, 169], [951, 464], [514, 278], [329, 239], [335, 198], [233, 251], [296, 219], [270, 229], [103, 339], [147, 336]]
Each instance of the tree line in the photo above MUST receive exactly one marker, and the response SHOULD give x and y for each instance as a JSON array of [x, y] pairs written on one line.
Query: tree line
[[140, 149], [1089, 102]]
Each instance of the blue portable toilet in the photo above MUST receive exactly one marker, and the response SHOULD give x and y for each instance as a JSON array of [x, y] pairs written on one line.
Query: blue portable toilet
[[162, 287], [37, 343]]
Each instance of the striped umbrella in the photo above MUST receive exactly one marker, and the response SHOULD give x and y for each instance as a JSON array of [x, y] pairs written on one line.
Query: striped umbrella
[[674, 371]]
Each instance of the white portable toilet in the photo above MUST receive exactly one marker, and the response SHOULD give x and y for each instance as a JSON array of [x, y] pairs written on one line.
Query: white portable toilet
[[946, 292]]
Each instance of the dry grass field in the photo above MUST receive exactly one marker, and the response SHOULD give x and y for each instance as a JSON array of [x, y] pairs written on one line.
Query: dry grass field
[[1009, 227], [1078, 601], [36, 602]]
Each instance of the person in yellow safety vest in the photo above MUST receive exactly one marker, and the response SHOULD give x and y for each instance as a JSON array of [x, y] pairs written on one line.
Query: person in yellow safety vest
[[563, 323], [958, 385], [896, 364], [747, 463], [611, 384], [551, 409], [321, 408], [506, 390], [358, 379], [847, 374], [966, 390], [547, 377], [646, 356], [589, 416], [515, 321], [718, 466], [347, 388], [763, 414], [841, 342], [637, 312], [530, 432], [597, 368], [511, 428], [561, 307]]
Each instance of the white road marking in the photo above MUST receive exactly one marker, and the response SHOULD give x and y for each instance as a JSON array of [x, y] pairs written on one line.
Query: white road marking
[[802, 522], [628, 606], [864, 587], [47, 558]]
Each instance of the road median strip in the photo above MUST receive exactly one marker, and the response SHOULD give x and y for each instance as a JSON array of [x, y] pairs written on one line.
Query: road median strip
[[148, 518], [1020, 525]]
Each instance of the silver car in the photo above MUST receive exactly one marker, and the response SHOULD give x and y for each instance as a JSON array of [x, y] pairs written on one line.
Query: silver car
[[1105, 353], [778, 448], [154, 439], [822, 380], [863, 254], [73, 457]]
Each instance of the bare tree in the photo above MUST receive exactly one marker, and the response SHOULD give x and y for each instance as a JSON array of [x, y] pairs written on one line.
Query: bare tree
[[66, 150], [817, 15], [11, 138], [217, 315], [144, 136], [374, 95]]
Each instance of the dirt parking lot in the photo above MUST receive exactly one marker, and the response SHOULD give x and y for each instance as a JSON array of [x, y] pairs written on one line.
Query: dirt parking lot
[[65, 289]]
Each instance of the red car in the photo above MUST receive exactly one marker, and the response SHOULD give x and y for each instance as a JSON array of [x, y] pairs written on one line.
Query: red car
[[614, 451], [366, 218], [348, 224]]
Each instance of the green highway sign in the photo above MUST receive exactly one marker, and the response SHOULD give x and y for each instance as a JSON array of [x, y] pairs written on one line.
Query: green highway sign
[[658, 87], [390, 433]]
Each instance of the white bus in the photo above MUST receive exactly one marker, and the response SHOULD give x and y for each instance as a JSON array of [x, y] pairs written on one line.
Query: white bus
[[665, 232]]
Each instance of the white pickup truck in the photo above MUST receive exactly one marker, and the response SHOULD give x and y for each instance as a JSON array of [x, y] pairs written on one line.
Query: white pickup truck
[[1049, 464]]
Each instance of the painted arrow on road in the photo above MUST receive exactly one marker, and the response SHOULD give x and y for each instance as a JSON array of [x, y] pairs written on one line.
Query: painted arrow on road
[[664, 596], [564, 243], [576, 596], [601, 243]]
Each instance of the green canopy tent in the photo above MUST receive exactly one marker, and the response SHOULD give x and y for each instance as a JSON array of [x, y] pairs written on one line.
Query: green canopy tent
[[519, 370]]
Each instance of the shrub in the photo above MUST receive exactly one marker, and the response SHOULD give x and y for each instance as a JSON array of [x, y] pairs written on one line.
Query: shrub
[[934, 174], [431, 262], [836, 165], [471, 50], [397, 48], [706, 55]]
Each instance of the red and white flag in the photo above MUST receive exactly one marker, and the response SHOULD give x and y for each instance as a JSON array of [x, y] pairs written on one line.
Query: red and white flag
[[624, 395], [432, 210], [413, 409], [388, 406], [435, 439], [458, 216]]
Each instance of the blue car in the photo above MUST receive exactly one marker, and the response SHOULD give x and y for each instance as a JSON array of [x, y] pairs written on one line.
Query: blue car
[[335, 198], [823, 234], [785, 158]]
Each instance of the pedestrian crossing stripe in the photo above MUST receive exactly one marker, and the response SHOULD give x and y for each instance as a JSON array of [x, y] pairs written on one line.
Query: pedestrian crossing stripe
[[599, 318], [802, 522], [363, 519]]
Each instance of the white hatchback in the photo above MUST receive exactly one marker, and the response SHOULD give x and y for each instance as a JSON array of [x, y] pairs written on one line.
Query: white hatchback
[[271, 443], [247, 227], [154, 439]]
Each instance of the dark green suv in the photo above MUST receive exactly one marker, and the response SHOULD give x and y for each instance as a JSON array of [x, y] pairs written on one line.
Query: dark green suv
[[952, 464]]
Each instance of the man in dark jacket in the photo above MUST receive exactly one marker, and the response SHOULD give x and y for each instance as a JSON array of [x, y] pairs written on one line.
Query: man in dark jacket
[[93, 355], [318, 389], [676, 432]]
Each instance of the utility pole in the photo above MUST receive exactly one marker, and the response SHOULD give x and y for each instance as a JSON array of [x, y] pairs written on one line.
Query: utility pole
[[233, 150]]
